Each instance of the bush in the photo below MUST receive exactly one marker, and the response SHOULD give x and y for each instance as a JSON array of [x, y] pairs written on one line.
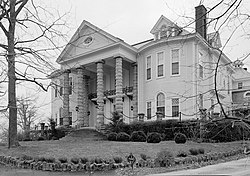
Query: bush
[[84, 160], [194, 151], [42, 159], [98, 160], [60, 132], [122, 136], [180, 138], [138, 136], [154, 137], [41, 138], [112, 136], [164, 158], [117, 159], [63, 160], [26, 157], [74, 160], [50, 160], [201, 150], [182, 154], [144, 156]]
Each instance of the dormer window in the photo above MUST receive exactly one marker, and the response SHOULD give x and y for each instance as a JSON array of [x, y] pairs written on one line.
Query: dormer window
[[164, 31]]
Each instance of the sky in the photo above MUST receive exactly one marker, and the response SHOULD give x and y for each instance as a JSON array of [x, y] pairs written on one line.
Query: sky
[[132, 20]]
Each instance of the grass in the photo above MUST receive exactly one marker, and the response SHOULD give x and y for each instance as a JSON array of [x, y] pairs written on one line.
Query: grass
[[108, 149]]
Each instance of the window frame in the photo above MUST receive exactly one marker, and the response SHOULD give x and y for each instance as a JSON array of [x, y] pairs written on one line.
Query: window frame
[[163, 64], [70, 85], [171, 61], [240, 85], [149, 110], [174, 114], [150, 68], [161, 106]]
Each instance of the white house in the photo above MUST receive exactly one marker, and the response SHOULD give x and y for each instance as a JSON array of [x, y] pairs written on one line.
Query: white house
[[172, 73]]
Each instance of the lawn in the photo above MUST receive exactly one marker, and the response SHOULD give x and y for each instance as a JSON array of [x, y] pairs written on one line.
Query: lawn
[[108, 149]]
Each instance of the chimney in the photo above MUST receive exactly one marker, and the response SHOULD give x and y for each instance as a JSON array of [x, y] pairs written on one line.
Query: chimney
[[201, 21]]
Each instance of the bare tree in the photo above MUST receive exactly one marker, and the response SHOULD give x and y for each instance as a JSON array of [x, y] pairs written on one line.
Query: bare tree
[[31, 36], [27, 114]]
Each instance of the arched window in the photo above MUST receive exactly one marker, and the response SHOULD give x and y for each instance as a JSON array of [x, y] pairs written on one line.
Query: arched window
[[160, 103], [247, 94]]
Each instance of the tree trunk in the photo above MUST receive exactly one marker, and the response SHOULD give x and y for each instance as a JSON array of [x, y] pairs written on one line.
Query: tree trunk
[[13, 142]]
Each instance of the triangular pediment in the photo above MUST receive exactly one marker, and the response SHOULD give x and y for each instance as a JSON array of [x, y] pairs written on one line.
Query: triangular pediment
[[88, 38], [162, 22]]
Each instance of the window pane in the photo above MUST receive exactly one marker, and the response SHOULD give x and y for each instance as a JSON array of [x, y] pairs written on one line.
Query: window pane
[[161, 109], [175, 101], [61, 121], [149, 62], [148, 73], [240, 85], [56, 91], [70, 85], [201, 71], [175, 55], [160, 70], [175, 111], [175, 68], [160, 58], [160, 99]]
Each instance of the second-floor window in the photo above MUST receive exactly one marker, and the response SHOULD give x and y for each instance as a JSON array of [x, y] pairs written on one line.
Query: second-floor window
[[200, 71], [148, 67], [148, 110], [160, 64], [240, 85], [175, 61], [56, 89]]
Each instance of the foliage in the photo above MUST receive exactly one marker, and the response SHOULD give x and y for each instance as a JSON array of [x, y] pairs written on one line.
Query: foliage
[[182, 154], [154, 137], [63, 160], [50, 159], [167, 128], [26, 157], [75, 160], [144, 156], [201, 150], [180, 138], [112, 136], [138, 136], [117, 159], [84, 160], [164, 158], [60, 132], [41, 138], [116, 121], [122, 136], [226, 131], [98, 160], [194, 151]]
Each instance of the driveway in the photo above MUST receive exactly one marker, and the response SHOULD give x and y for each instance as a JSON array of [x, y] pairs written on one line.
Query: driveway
[[233, 168]]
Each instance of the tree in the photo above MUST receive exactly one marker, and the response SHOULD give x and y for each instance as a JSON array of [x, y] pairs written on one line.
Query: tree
[[31, 35], [27, 114]]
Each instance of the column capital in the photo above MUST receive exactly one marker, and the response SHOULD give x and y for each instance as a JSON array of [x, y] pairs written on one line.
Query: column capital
[[118, 56], [100, 61]]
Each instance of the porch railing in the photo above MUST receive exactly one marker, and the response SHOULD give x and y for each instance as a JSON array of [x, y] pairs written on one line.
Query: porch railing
[[107, 93]]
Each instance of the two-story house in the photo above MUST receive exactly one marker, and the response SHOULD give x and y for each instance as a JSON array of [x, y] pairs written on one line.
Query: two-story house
[[172, 73]]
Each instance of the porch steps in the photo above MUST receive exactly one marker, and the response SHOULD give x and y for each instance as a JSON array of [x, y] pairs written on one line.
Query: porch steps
[[82, 134]]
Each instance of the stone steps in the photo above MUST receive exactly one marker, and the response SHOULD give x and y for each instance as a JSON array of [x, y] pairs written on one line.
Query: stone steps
[[85, 133]]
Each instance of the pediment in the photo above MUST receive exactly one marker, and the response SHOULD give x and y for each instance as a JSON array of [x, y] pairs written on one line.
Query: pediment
[[88, 38], [163, 22]]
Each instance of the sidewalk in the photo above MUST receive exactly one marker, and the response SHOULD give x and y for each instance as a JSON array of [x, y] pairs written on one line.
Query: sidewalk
[[233, 168]]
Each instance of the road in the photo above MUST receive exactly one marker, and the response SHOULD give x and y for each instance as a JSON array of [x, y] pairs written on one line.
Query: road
[[233, 168]]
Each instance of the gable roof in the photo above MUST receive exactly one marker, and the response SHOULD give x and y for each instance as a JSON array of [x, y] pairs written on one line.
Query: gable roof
[[75, 37]]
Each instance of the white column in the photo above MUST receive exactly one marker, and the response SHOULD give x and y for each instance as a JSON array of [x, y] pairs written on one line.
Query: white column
[[66, 97], [100, 101], [118, 84]]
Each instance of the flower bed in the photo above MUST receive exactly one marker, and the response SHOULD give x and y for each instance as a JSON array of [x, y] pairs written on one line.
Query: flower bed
[[54, 165]]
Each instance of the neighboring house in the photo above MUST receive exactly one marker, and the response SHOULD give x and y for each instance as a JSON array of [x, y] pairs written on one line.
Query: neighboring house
[[173, 73], [241, 90]]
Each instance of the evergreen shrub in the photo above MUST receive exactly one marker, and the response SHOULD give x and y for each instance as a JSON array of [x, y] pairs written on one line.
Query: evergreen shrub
[[112, 136], [138, 136], [154, 137], [180, 138], [123, 137]]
